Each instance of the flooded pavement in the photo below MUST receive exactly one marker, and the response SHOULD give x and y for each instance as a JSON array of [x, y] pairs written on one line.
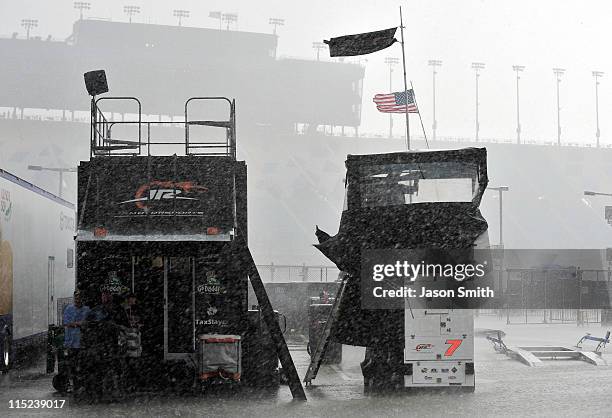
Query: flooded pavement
[[504, 387]]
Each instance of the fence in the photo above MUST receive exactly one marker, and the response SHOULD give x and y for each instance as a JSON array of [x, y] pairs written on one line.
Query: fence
[[276, 273]]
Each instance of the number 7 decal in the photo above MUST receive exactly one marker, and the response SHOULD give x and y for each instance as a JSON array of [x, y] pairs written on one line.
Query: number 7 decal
[[454, 345]]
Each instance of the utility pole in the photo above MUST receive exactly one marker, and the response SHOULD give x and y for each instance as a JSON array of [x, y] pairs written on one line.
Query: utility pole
[[477, 66], [29, 24], [558, 72], [518, 69], [318, 46], [131, 11], [596, 75], [180, 14], [434, 64], [391, 61], [80, 6]]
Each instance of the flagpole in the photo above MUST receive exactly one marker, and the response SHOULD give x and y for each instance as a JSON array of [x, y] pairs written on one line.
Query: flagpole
[[419, 112], [405, 82]]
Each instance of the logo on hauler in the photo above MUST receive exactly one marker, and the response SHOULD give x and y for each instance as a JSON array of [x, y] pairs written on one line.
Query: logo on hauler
[[164, 190]]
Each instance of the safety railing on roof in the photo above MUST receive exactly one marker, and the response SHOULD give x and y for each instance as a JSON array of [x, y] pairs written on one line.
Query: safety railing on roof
[[140, 141]]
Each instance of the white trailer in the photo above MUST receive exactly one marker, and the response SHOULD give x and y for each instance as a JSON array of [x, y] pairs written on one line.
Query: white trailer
[[36, 264]]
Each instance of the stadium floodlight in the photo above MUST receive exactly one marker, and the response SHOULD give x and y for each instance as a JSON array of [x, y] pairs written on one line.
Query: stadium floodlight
[[518, 69], [558, 72], [80, 6], [477, 66], [274, 21], [391, 61], [180, 14], [29, 24], [433, 64], [131, 11], [596, 75], [229, 18], [216, 15], [318, 46]]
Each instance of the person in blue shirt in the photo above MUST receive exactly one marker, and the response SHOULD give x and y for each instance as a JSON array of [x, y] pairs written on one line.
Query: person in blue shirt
[[74, 317]]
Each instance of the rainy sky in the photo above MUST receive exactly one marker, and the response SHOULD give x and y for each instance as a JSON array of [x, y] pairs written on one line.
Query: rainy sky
[[539, 35]]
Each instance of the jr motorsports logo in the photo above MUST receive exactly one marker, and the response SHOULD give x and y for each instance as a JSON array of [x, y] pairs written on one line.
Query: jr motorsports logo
[[159, 191], [6, 205], [424, 347]]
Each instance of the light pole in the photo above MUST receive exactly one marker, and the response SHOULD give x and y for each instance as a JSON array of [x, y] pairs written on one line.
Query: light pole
[[558, 72], [131, 11], [318, 46], [80, 6], [274, 21], [60, 170], [596, 75], [501, 190], [477, 66], [180, 14], [216, 15], [433, 64], [391, 61], [29, 24], [229, 18], [518, 69]]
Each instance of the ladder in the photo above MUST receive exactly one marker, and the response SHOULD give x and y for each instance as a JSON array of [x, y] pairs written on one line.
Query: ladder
[[245, 260], [319, 354]]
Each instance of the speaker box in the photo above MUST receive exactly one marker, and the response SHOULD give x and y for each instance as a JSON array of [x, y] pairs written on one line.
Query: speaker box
[[95, 82]]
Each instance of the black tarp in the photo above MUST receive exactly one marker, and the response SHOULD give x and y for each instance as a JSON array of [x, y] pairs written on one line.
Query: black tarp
[[446, 225]]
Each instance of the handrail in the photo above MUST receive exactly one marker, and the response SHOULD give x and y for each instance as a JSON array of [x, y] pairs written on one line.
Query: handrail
[[103, 143], [230, 146]]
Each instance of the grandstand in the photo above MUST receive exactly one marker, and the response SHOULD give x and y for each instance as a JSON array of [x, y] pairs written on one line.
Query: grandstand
[[290, 126]]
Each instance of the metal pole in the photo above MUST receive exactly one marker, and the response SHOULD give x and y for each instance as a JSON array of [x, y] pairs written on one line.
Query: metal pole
[[477, 124], [597, 109], [477, 66], [61, 181], [518, 111], [596, 75], [434, 64], [501, 223], [518, 69], [405, 82], [391, 61], [390, 91], [434, 103], [558, 72], [420, 118], [558, 115]]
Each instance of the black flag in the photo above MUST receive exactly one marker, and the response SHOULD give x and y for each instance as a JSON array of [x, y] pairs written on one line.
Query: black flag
[[362, 43]]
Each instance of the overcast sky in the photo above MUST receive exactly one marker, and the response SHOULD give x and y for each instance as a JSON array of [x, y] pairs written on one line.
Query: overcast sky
[[537, 34]]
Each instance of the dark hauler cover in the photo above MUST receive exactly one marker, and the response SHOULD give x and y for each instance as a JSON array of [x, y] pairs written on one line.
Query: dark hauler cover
[[362, 43]]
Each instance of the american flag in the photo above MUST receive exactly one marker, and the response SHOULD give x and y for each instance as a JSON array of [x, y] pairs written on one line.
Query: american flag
[[395, 102]]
